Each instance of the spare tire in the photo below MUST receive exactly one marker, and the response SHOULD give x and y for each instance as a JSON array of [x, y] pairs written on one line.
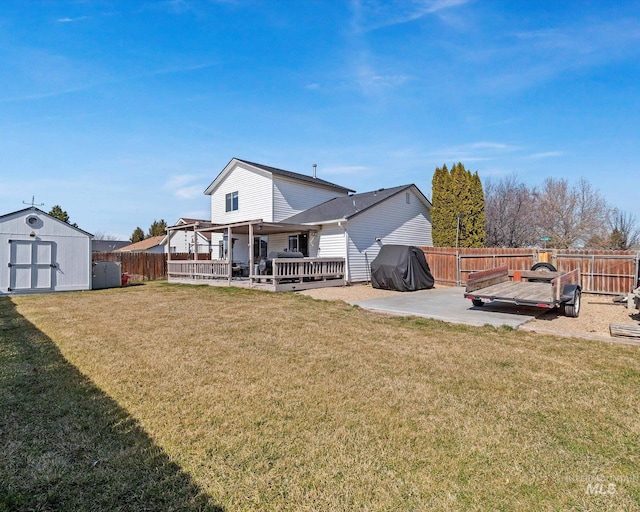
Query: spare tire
[[542, 266]]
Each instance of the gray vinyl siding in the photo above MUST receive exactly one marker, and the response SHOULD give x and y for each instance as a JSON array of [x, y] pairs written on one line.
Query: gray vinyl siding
[[182, 242], [278, 242], [291, 197], [394, 222], [254, 197], [69, 249], [331, 242]]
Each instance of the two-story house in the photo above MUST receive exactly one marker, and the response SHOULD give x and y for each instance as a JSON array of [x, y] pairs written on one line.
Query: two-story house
[[267, 210]]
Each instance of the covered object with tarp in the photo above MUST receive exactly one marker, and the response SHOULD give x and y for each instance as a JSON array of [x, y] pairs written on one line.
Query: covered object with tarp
[[402, 268]]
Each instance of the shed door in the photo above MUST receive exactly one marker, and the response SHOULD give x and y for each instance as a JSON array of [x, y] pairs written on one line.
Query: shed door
[[31, 266]]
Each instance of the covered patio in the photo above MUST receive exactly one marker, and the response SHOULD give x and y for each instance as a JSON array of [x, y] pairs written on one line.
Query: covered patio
[[286, 274]]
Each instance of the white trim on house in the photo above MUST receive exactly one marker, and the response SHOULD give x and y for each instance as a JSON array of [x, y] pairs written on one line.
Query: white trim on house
[[339, 225]]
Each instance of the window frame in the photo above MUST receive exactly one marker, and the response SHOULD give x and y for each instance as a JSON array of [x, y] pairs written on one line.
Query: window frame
[[231, 202]]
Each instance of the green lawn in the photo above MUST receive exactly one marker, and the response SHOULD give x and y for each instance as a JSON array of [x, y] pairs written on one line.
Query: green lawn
[[168, 397]]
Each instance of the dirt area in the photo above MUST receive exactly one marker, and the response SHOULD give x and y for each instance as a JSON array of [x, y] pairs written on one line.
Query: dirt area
[[597, 312]]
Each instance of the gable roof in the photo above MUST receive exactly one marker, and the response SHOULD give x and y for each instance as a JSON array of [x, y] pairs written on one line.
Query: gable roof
[[34, 209], [143, 245], [343, 208], [277, 172], [189, 221]]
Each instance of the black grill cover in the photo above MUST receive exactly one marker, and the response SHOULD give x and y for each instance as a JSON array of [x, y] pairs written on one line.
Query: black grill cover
[[401, 267]]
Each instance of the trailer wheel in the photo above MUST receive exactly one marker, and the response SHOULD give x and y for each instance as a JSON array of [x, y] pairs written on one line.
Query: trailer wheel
[[477, 302], [573, 310], [544, 267]]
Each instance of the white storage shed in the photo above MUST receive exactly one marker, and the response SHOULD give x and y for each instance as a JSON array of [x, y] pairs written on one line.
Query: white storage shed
[[39, 253]]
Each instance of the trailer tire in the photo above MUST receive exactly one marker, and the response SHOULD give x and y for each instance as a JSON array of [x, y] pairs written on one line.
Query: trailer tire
[[477, 302], [544, 267], [573, 310]]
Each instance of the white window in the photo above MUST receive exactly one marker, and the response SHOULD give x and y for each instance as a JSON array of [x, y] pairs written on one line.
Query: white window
[[408, 197], [231, 202]]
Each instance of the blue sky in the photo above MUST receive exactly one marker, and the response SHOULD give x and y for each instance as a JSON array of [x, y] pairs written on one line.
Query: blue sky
[[123, 112]]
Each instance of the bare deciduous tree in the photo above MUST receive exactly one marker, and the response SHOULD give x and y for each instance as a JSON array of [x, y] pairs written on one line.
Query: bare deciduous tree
[[509, 209], [625, 233], [571, 216], [105, 236]]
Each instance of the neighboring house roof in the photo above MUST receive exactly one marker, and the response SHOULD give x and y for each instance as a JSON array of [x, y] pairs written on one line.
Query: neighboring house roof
[[341, 208], [144, 245], [278, 172], [34, 209], [188, 221], [108, 245]]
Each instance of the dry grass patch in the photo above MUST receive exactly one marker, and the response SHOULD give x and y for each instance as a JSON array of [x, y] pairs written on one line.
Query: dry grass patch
[[281, 402]]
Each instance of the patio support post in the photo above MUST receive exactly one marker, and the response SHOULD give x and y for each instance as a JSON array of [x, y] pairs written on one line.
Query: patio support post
[[169, 235], [195, 242], [230, 253], [250, 255]]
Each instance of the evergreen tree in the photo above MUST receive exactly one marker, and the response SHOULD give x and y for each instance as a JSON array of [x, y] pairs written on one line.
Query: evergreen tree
[[61, 214], [441, 194], [158, 227], [476, 218], [137, 235], [457, 216]]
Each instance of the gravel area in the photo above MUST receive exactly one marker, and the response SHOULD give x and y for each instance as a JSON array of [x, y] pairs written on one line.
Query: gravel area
[[597, 312]]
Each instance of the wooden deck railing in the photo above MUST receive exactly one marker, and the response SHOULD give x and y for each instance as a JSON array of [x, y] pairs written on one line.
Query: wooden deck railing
[[205, 269], [288, 273], [309, 268]]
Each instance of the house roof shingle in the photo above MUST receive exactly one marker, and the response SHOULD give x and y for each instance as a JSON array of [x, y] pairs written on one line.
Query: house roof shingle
[[287, 174], [143, 245], [344, 207]]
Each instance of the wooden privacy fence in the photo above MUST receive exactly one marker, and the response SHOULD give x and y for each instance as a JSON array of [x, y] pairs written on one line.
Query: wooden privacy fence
[[606, 272], [141, 266]]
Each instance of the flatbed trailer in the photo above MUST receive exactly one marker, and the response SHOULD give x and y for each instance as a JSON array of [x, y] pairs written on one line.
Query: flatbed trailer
[[546, 289]]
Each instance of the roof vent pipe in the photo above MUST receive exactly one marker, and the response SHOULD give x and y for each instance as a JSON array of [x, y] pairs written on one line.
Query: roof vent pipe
[[314, 170]]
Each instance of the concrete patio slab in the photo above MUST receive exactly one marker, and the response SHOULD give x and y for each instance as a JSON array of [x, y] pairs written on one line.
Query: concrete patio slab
[[448, 304]]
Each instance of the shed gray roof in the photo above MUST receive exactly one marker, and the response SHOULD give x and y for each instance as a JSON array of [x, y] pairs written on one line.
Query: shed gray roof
[[345, 207], [287, 174]]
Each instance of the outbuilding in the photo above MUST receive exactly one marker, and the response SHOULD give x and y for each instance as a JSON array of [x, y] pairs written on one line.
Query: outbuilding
[[39, 253]]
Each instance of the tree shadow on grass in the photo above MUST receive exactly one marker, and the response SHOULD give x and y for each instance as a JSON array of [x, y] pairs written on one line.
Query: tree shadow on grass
[[65, 445]]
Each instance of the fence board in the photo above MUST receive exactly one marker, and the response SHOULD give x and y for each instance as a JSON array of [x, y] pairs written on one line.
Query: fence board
[[141, 266], [607, 272]]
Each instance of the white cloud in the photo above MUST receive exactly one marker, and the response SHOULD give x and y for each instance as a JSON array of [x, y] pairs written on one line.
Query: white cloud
[[182, 186], [376, 14], [190, 192], [547, 154], [72, 20], [370, 80], [474, 152], [529, 58]]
